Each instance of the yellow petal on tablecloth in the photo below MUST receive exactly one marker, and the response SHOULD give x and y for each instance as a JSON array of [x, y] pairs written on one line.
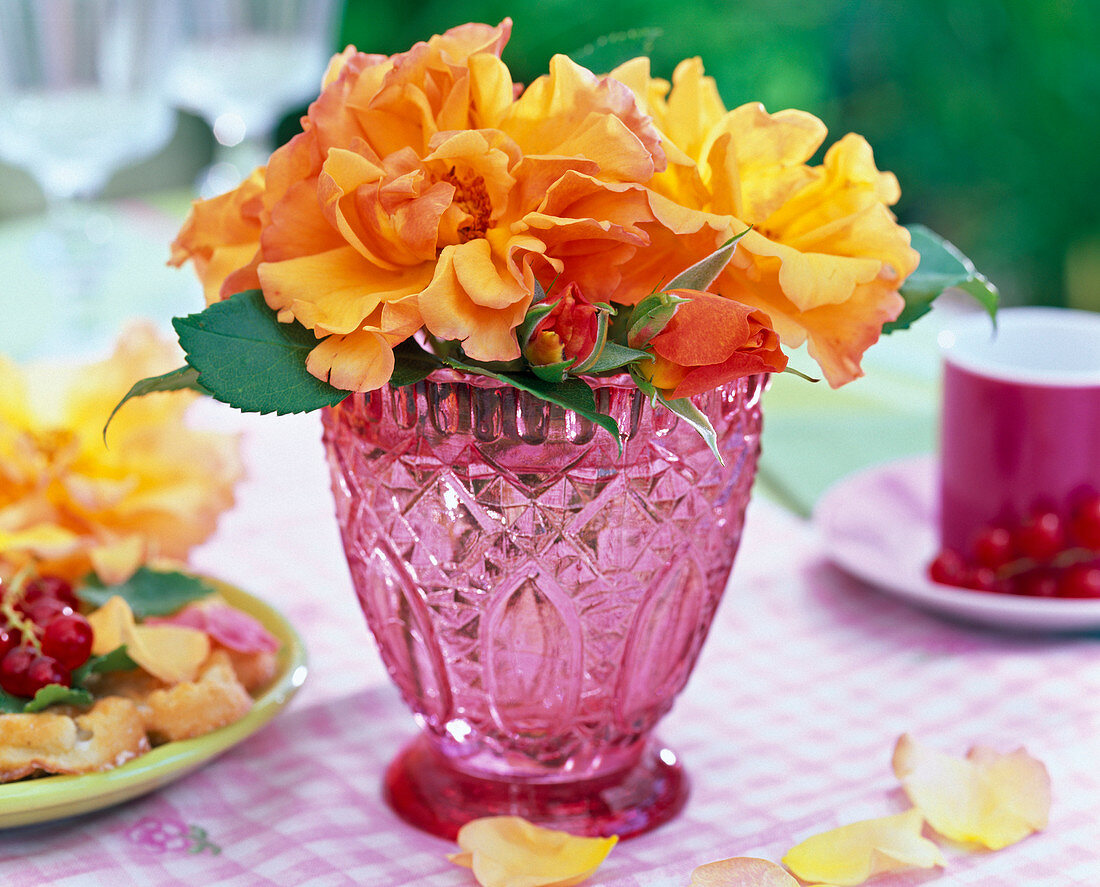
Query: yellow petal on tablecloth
[[987, 798], [742, 871], [853, 853], [508, 851]]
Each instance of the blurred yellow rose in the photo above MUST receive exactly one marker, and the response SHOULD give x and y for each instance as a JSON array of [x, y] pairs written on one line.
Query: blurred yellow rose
[[70, 504]]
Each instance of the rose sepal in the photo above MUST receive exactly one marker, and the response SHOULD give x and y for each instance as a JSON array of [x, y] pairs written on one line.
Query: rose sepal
[[682, 407], [603, 314], [704, 272], [651, 315], [538, 310], [614, 356], [551, 372]]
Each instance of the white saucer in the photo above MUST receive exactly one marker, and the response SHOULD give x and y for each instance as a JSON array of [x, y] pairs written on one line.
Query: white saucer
[[880, 525]]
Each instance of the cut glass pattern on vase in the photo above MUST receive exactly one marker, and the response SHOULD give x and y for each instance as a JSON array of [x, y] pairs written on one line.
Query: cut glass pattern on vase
[[539, 598]]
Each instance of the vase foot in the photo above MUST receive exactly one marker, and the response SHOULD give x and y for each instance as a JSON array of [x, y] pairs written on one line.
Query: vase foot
[[424, 790]]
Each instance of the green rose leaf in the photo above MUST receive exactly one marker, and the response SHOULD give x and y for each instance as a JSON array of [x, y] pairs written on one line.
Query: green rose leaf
[[185, 378], [573, 394], [942, 266], [412, 364], [117, 660], [148, 592], [56, 694], [247, 359], [10, 705]]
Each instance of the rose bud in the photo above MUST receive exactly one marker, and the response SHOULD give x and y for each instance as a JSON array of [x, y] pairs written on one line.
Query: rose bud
[[570, 336], [709, 341]]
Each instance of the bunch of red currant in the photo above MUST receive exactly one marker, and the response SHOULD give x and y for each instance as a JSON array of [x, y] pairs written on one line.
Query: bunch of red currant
[[42, 636], [1050, 553]]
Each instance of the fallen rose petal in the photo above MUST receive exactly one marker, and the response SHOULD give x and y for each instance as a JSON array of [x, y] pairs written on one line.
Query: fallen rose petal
[[225, 625], [853, 853], [741, 871], [508, 851], [170, 653], [988, 798]]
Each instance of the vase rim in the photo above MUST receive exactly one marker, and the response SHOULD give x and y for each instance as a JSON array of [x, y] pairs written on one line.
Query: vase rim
[[446, 375]]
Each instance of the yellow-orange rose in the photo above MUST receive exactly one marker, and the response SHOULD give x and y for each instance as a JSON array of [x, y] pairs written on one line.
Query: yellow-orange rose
[[826, 257], [221, 237]]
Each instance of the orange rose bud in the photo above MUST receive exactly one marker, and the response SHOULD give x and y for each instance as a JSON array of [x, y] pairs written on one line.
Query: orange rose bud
[[573, 330], [711, 340]]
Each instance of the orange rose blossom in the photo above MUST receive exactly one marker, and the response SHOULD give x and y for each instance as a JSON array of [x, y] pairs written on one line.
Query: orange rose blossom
[[432, 203]]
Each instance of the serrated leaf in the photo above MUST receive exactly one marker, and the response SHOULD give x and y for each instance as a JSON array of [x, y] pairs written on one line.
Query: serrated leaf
[[704, 272], [56, 694], [249, 360], [411, 364], [615, 355], [185, 378], [942, 266], [10, 705], [696, 418], [117, 660], [573, 394], [148, 592]]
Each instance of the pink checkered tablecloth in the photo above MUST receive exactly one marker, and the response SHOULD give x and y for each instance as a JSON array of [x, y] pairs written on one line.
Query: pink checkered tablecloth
[[787, 725]]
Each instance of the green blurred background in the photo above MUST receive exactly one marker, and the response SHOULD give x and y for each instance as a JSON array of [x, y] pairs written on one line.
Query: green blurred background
[[987, 111]]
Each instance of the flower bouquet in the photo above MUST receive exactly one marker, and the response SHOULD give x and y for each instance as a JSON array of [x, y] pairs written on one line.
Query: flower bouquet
[[532, 317]]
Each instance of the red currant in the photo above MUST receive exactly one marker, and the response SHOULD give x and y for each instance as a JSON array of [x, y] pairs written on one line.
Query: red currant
[[49, 587], [13, 671], [1084, 524], [1080, 581], [948, 568], [68, 639], [45, 670], [44, 610], [9, 639], [993, 547], [980, 579], [1036, 583], [1041, 536]]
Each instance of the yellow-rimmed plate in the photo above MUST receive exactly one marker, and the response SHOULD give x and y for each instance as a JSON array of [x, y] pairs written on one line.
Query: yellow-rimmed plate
[[55, 797]]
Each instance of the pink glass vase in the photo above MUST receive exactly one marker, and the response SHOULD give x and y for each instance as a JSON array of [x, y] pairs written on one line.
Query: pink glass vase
[[538, 597]]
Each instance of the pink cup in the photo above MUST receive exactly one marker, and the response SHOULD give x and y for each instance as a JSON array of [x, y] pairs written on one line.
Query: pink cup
[[1021, 417]]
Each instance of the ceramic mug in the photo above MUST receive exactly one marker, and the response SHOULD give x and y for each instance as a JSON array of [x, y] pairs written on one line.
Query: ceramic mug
[[1020, 426]]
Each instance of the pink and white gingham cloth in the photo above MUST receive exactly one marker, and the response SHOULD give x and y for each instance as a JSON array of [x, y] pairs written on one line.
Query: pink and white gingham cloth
[[786, 727]]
